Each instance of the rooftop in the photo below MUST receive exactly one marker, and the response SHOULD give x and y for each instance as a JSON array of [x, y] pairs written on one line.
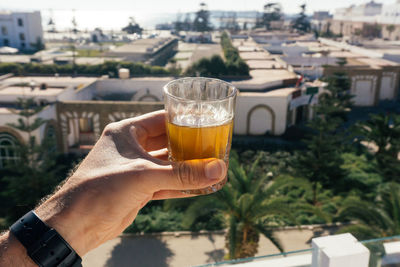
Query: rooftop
[[146, 46], [27, 91], [5, 111], [264, 64], [262, 79], [274, 93], [255, 55], [60, 80]]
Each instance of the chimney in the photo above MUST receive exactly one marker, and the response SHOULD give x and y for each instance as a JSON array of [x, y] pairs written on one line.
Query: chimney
[[123, 73]]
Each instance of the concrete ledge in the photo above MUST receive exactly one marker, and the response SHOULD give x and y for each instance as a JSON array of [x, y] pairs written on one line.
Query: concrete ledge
[[222, 232]]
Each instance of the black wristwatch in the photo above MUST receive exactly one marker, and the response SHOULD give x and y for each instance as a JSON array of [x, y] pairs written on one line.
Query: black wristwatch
[[44, 245]]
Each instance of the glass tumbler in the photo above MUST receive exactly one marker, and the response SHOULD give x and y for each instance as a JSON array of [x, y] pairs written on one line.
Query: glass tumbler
[[199, 118]]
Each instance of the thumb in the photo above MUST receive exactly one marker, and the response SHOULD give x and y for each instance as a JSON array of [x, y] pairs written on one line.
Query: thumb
[[189, 174]]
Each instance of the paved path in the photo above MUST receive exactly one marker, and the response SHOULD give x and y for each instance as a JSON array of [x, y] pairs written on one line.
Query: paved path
[[183, 250]]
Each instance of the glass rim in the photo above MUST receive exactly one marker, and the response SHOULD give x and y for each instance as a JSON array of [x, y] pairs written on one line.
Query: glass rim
[[231, 95]]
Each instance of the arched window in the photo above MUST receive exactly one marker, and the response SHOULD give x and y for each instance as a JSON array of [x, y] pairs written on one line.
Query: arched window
[[8, 149]]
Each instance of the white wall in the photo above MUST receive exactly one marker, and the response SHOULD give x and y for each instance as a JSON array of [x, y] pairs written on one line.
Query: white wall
[[31, 28], [388, 86], [109, 86], [390, 14], [261, 119], [364, 92]]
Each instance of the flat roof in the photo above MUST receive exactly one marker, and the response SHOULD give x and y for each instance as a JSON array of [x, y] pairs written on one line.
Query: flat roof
[[50, 79], [95, 60], [15, 58], [5, 111], [142, 46], [26, 91], [265, 78], [264, 64], [283, 92], [255, 55], [243, 48], [345, 54], [166, 79], [379, 62]]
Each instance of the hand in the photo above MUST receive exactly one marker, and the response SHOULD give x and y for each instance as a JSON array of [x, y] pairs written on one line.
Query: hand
[[126, 168]]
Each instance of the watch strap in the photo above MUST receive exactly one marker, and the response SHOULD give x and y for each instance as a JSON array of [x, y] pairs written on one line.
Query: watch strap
[[44, 245]]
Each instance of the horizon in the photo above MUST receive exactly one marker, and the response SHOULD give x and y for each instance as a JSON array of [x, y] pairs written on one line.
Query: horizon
[[91, 14]]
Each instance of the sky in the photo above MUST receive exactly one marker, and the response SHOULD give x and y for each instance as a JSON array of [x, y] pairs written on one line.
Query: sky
[[115, 13]]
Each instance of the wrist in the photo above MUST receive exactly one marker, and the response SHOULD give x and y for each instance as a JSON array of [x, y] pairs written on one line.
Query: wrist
[[60, 216], [13, 253]]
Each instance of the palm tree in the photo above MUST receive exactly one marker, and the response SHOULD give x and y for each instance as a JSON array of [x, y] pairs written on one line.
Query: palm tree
[[378, 219], [251, 206], [390, 29]]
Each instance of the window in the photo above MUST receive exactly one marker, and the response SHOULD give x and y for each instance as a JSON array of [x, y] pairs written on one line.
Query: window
[[85, 125], [4, 30], [6, 42], [22, 36], [23, 45], [20, 22], [8, 149]]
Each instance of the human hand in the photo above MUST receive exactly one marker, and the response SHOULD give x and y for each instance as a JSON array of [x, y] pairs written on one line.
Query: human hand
[[126, 168]]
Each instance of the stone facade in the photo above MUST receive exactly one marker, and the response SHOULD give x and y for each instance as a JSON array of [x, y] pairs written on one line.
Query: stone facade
[[370, 86], [71, 114]]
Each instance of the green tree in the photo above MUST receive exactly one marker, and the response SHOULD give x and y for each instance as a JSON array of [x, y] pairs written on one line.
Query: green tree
[[375, 219], [180, 25], [302, 23], [383, 131], [251, 206], [390, 29], [132, 27], [272, 12], [371, 30], [36, 173], [320, 161], [362, 175], [201, 22]]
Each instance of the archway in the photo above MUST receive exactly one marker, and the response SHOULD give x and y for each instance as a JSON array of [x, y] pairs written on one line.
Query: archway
[[260, 120], [8, 149]]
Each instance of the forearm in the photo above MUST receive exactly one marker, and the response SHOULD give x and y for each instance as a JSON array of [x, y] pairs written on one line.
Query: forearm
[[13, 253]]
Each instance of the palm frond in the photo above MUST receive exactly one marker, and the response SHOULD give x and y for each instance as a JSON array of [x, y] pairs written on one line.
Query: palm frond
[[270, 235], [365, 213], [360, 231], [277, 206], [200, 207], [240, 175], [253, 168], [315, 210], [244, 202], [285, 181]]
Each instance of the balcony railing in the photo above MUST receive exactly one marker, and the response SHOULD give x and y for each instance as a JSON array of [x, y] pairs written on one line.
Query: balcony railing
[[330, 251]]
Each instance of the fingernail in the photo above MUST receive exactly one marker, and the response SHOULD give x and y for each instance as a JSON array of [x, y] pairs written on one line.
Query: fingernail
[[215, 169]]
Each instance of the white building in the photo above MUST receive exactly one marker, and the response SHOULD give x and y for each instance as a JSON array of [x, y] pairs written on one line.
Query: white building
[[362, 12], [391, 14], [21, 30]]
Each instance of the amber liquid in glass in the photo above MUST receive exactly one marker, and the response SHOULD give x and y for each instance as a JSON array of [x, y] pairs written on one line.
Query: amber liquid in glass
[[189, 142]]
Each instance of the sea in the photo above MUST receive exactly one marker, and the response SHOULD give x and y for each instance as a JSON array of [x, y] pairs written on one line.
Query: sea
[[117, 19]]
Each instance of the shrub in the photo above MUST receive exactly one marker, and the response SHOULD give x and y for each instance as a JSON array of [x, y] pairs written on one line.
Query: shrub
[[108, 67]]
